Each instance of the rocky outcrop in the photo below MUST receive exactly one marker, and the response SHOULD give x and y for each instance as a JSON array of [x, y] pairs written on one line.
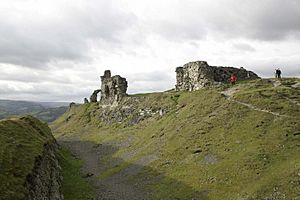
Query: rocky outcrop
[[113, 88], [196, 75], [45, 180], [128, 111]]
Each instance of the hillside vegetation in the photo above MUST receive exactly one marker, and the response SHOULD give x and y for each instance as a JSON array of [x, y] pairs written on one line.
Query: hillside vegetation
[[22, 140], [238, 142]]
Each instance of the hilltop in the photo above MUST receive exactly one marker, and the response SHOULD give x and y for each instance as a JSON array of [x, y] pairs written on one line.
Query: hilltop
[[223, 142]]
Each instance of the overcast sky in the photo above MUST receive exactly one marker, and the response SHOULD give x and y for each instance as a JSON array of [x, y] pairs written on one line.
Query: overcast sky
[[55, 50]]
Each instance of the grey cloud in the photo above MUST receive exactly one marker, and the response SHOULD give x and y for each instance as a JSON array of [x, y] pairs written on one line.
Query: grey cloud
[[149, 76], [32, 41], [276, 19], [244, 47], [267, 20], [32, 76], [43, 92], [180, 30], [150, 81], [261, 20]]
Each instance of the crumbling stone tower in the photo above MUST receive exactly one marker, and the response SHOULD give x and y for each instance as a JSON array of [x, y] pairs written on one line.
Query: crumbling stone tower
[[113, 88], [196, 75]]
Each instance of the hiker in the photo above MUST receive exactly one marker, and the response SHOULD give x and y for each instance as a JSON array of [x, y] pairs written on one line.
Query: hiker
[[278, 71], [233, 79]]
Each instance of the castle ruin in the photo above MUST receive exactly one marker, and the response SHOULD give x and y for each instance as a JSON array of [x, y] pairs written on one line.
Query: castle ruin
[[113, 88], [196, 75]]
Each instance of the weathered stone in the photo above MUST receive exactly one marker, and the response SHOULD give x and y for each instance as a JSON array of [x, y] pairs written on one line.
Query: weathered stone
[[93, 98], [196, 75], [113, 88], [85, 101], [46, 179]]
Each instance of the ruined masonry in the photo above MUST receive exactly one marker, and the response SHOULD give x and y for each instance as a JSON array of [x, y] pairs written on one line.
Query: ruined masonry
[[196, 75], [190, 77], [93, 98], [113, 89]]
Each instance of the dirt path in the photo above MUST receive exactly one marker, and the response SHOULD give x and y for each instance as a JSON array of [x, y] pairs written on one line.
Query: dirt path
[[116, 187], [230, 92], [258, 109]]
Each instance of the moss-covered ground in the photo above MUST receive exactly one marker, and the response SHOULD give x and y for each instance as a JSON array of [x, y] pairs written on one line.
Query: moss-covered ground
[[74, 185]]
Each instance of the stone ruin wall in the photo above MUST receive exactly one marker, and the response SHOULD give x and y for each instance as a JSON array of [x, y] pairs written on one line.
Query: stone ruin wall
[[191, 76], [196, 75], [113, 89]]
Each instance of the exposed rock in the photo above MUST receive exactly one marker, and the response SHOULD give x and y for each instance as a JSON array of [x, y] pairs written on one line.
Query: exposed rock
[[93, 98], [113, 88], [45, 180], [129, 112], [85, 101], [151, 111], [196, 75]]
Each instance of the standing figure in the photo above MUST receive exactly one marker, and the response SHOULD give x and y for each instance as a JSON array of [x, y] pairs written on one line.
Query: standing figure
[[278, 73], [233, 79]]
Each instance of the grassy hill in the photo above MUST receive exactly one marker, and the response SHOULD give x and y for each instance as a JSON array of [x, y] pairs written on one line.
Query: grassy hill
[[22, 140], [45, 111], [221, 143]]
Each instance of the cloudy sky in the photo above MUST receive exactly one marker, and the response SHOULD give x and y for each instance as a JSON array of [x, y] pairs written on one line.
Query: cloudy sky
[[55, 50]]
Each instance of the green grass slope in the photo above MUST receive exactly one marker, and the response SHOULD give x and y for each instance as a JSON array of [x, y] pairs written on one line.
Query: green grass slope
[[74, 185], [21, 141], [206, 145]]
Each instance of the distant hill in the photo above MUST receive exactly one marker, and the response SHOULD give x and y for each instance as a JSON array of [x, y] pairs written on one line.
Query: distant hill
[[45, 111]]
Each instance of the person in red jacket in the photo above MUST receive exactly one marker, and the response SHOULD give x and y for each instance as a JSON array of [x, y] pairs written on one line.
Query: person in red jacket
[[233, 79]]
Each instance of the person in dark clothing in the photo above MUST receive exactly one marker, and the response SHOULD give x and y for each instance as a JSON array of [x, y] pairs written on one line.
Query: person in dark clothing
[[278, 73]]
